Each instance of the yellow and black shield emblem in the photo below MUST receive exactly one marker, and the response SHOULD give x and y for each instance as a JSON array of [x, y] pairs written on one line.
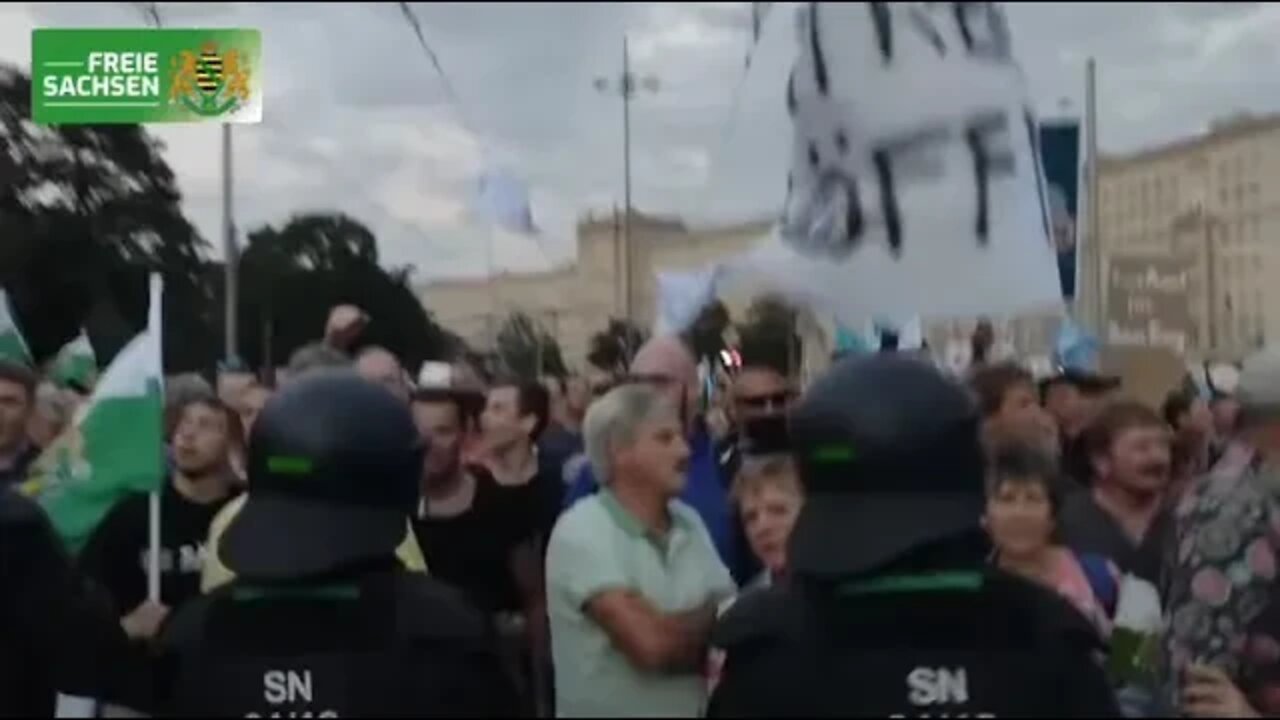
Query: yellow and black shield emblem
[[209, 70]]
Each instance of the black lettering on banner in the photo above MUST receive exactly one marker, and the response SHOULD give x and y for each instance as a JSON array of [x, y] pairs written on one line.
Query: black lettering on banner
[[883, 23], [918, 155], [1033, 136], [989, 159], [853, 217], [791, 94], [980, 182], [924, 23], [962, 24], [984, 30], [815, 45], [888, 201], [982, 27]]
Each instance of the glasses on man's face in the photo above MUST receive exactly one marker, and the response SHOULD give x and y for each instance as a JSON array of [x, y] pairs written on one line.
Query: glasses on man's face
[[766, 401]]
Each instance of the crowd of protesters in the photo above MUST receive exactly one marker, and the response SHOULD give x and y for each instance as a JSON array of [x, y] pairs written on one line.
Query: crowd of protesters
[[603, 525]]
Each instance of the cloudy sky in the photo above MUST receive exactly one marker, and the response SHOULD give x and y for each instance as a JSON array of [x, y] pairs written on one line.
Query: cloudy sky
[[356, 119]]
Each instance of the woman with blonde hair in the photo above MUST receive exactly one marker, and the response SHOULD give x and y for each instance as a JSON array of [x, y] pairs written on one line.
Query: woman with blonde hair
[[768, 497]]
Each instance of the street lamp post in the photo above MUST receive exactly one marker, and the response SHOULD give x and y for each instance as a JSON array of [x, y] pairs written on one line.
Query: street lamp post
[[626, 86]]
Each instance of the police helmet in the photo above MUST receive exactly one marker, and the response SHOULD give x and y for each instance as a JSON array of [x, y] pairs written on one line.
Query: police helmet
[[890, 459], [334, 467]]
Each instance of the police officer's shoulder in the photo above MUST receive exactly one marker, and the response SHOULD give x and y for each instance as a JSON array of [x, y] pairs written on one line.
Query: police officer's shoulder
[[184, 627], [27, 537], [18, 511], [430, 609], [758, 616], [1056, 622]]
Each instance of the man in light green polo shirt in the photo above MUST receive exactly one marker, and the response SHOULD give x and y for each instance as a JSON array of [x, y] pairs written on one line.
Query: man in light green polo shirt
[[633, 579]]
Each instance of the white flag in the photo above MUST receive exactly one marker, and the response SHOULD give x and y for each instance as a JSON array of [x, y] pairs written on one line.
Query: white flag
[[681, 296], [13, 348], [915, 186], [76, 363], [504, 201]]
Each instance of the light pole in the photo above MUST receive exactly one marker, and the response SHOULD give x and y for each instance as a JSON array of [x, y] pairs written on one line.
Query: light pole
[[232, 256], [626, 86], [231, 261]]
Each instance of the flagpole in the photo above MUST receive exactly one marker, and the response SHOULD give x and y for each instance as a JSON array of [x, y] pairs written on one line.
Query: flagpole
[[154, 327], [1098, 314], [153, 542], [231, 259]]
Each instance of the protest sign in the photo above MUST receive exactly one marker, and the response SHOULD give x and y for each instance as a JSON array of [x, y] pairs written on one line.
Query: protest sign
[[915, 186]]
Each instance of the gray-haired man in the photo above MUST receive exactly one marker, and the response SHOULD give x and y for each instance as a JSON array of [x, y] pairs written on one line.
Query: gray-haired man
[[633, 579]]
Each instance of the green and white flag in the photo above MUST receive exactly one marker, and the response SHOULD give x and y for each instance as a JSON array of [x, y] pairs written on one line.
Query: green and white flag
[[115, 447], [76, 363], [13, 348]]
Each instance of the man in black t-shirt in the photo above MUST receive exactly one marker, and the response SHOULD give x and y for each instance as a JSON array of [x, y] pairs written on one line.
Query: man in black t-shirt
[[461, 524], [1123, 515], [117, 555], [515, 416]]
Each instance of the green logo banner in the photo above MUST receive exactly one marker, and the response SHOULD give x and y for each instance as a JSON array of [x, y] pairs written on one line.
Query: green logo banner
[[145, 76]]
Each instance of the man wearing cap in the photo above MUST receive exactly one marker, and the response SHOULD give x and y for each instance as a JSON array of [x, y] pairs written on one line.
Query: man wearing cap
[[322, 620], [891, 609], [1222, 644]]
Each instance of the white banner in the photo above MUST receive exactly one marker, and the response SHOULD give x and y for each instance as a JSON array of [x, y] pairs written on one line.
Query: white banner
[[681, 296], [915, 186]]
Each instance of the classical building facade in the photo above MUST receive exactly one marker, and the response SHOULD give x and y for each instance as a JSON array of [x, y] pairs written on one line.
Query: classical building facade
[[576, 301], [1207, 208]]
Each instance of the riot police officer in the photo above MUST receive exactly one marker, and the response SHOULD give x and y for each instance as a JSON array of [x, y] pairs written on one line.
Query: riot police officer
[[322, 620], [891, 609], [58, 638]]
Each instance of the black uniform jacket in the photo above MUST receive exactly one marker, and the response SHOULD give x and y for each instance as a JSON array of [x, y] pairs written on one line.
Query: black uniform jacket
[[57, 635], [387, 644], [954, 644]]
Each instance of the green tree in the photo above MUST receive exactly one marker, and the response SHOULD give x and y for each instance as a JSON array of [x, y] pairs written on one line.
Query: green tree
[[527, 350], [85, 213], [291, 276], [613, 348]]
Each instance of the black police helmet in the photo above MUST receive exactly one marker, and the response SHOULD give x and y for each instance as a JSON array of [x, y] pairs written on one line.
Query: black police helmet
[[890, 458], [334, 464]]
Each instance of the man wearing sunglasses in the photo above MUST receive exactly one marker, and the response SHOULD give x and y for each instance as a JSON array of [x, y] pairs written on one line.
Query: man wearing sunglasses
[[667, 363], [758, 393]]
